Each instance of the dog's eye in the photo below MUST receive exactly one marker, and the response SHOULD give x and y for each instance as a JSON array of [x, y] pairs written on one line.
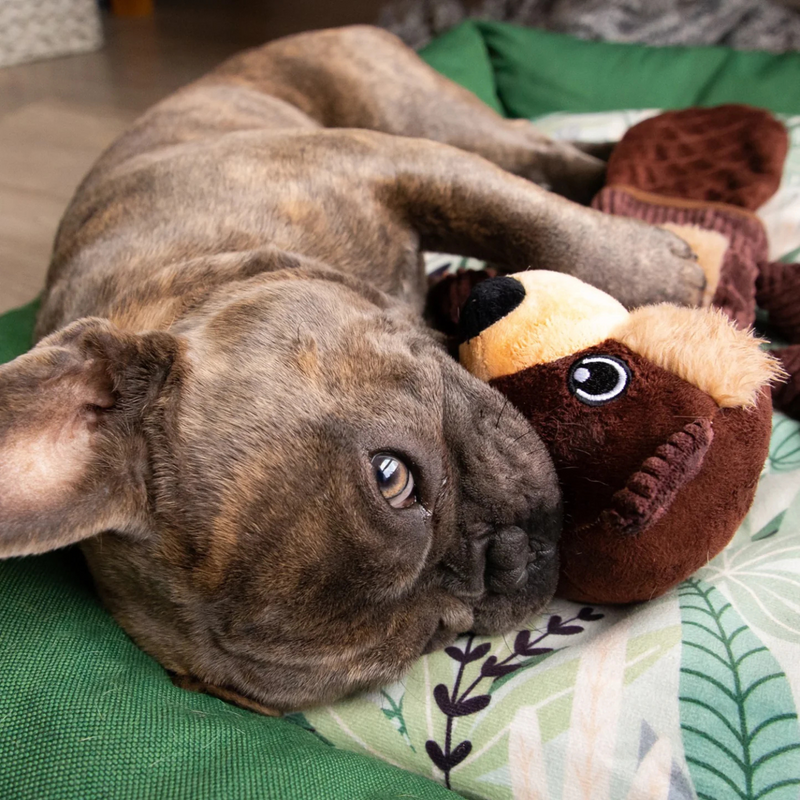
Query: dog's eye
[[395, 481], [597, 380]]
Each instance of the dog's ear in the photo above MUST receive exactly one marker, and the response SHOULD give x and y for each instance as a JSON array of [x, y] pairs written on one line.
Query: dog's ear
[[72, 447]]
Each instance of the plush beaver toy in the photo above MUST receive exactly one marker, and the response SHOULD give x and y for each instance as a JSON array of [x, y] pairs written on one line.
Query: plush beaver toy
[[658, 421]]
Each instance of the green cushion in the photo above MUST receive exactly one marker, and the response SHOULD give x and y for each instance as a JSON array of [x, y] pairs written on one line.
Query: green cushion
[[536, 72], [16, 331], [461, 54], [85, 714]]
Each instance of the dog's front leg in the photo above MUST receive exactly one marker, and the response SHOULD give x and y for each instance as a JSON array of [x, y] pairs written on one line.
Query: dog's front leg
[[460, 203], [364, 77]]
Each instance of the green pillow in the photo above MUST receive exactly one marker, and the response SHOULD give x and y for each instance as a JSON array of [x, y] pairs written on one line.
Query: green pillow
[[16, 331], [537, 72], [462, 56]]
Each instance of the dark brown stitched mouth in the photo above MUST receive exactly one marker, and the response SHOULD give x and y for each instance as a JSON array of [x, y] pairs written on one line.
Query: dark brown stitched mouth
[[650, 491]]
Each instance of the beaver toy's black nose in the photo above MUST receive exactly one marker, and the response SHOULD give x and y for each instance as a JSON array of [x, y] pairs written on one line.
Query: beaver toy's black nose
[[488, 302]]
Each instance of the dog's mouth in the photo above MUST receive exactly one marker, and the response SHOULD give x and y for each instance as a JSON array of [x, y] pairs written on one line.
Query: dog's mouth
[[520, 578], [503, 558], [517, 576], [514, 557]]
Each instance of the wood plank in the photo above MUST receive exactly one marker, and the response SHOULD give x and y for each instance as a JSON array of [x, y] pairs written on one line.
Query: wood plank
[[45, 150], [49, 146], [28, 222]]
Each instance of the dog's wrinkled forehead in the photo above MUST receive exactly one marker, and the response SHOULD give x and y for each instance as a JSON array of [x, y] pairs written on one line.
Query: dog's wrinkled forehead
[[315, 341]]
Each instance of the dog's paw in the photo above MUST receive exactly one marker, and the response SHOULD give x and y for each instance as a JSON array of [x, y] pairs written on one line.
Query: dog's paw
[[672, 267], [640, 264]]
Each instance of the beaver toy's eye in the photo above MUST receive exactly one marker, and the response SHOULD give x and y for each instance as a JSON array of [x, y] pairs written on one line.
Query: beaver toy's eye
[[395, 481], [596, 380]]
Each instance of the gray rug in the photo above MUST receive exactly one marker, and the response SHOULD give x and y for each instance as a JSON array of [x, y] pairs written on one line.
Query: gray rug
[[742, 24]]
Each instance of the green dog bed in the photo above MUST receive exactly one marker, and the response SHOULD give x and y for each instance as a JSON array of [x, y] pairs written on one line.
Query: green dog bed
[[693, 695], [522, 72]]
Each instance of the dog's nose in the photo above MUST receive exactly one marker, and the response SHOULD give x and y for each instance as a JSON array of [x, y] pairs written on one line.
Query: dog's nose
[[488, 302]]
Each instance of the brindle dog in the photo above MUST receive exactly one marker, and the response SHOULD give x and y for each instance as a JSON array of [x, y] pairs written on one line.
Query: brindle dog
[[285, 488]]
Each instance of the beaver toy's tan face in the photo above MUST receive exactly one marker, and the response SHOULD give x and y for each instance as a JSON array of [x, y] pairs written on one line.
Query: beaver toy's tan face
[[646, 416]]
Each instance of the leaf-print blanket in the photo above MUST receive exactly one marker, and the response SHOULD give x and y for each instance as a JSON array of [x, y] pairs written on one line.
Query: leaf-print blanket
[[693, 695]]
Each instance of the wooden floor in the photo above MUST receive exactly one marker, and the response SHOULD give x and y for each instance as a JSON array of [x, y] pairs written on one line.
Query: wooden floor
[[57, 116]]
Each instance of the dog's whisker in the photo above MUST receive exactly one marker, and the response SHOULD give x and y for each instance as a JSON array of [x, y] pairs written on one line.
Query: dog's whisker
[[505, 403]]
